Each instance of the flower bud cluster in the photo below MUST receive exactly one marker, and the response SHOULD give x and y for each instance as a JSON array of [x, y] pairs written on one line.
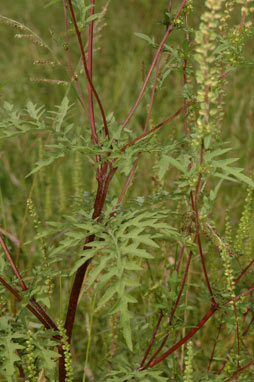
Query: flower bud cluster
[[188, 371], [62, 194], [67, 352], [43, 246], [77, 180], [229, 7], [188, 8], [3, 306], [228, 271], [228, 229], [30, 367], [244, 237], [207, 74]]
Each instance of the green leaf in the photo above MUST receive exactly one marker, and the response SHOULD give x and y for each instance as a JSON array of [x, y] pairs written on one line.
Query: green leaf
[[81, 261], [125, 322], [52, 2], [7, 106], [213, 193], [96, 271], [145, 37], [10, 355], [109, 294], [93, 17], [46, 162], [236, 172], [177, 165], [61, 113], [34, 112], [146, 239]]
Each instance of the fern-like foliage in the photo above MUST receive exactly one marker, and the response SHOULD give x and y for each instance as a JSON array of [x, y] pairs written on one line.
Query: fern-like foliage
[[9, 346], [122, 242]]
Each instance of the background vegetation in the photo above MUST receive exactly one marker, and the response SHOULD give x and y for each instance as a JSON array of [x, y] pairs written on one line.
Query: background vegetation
[[121, 61]]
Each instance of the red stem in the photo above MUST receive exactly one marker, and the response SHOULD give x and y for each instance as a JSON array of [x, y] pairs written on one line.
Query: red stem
[[103, 184], [204, 268], [168, 31], [67, 50], [158, 126], [24, 287], [152, 340], [170, 6], [153, 93], [85, 66], [173, 311], [238, 371], [214, 347], [10, 237], [134, 167], [182, 288], [182, 249], [201, 323], [128, 181], [13, 266], [158, 350], [243, 272], [239, 296], [28, 306], [90, 70]]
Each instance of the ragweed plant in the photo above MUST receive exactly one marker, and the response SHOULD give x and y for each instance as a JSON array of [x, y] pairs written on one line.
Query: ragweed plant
[[127, 251], [188, 371], [30, 368]]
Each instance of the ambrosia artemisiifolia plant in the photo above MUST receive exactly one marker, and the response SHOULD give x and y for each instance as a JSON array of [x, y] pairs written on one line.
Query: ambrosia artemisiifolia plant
[[121, 282]]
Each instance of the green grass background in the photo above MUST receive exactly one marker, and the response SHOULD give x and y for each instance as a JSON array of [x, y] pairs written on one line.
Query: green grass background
[[120, 61]]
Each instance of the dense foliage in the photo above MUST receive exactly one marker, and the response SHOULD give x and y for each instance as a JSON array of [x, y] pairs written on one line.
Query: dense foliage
[[126, 194]]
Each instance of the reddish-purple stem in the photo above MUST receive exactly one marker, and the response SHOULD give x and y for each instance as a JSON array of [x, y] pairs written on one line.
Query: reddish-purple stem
[[21, 370], [11, 237], [132, 172], [243, 16], [13, 266], [182, 249], [153, 93], [134, 167], [67, 50], [152, 340], [194, 204], [239, 296], [170, 6], [243, 272], [24, 287], [214, 347], [248, 326], [29, 307], [201, 323], [204, 268], [78, 34], [226, 360], [103, 184], [181, 289], [173, 312], [90, 70], [158, 126], [168, 31], [128, 181], [238, 371], [159, 349]]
